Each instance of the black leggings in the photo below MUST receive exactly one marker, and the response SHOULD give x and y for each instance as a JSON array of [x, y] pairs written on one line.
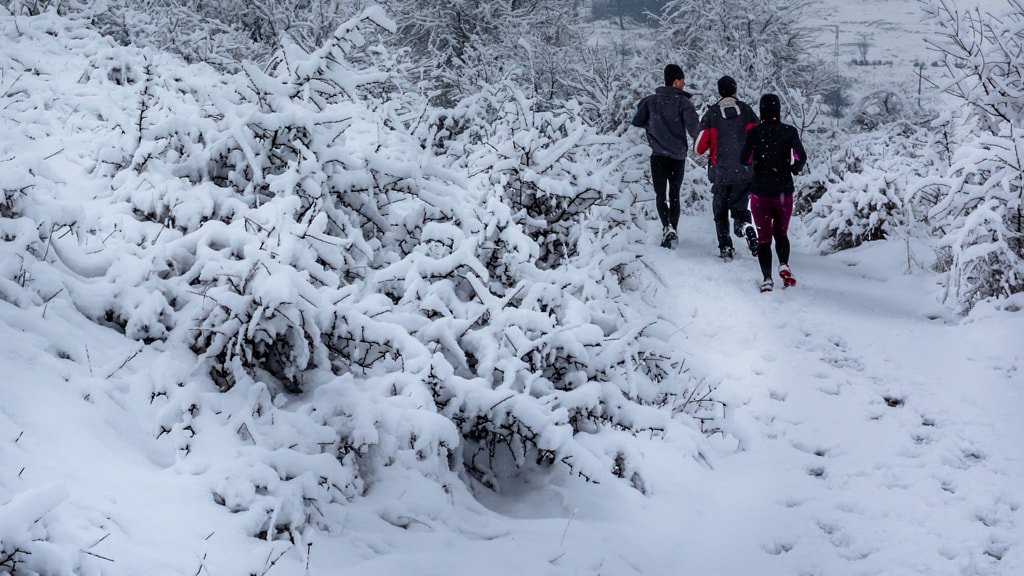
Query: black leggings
[[764, 255], [667, 174]]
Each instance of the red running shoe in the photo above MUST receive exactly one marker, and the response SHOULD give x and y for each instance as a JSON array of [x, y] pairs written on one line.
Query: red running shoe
[[787, 276]]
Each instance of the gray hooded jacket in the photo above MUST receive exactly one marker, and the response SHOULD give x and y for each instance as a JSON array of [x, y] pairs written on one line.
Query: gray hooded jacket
[[667, 116]]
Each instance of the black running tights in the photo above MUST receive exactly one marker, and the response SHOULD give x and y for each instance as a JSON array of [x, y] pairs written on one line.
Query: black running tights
[[667, 174], [764, 255]]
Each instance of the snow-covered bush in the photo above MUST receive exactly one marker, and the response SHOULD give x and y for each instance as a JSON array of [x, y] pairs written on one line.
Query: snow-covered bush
[[25, 549], [37, 7], [225, 33], [855, 192], [859, 208], [638, 11], [537, 159], [605, 82], [174, 26], [976, 205], [458, 47], [878, 108], [347, 283]]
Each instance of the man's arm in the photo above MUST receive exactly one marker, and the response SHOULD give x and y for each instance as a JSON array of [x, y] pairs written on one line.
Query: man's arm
[[640, 118], [752, 119], [690, 120], [747, 155], [706, 140]]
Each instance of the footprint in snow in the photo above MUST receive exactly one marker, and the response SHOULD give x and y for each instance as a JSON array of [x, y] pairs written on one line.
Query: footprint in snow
[[948, 486], [831, 350], [893, 401], [778, 548], [806, 449], [964, 459]]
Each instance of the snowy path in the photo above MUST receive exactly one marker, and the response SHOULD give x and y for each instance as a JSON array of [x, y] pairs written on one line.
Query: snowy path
[[873, 439]]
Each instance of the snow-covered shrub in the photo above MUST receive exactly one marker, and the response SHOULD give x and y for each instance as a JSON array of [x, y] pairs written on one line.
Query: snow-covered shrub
[[265, 215], [37, 7], [878, 108], [535, 158], [25, 549], [638, 11], [976, 205], [225, 33], [458, 47], [860, 208], [211, 35], [331, 291], [339, 292], [855, 193], [31, 221], [605, 83]]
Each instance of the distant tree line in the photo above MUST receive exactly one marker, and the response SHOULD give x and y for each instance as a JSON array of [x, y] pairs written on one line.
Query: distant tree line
[[625, 11]]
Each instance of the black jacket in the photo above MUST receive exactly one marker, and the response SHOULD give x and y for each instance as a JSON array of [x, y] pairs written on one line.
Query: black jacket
[[775, 151], [724, 132], [667, 115]]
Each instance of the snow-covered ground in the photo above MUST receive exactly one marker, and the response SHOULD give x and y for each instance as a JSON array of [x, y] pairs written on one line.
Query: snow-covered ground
[[869, 433], [879, 437]]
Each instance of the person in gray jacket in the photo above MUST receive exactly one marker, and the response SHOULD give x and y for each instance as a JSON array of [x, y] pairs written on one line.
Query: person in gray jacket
[[724, 129], [668, 116]]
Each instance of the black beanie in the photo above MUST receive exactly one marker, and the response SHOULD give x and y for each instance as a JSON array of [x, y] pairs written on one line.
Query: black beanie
[[673, 73], [726, 86], [771, 107]]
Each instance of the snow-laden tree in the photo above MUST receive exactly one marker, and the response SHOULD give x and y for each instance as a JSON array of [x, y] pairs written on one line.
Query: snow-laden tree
[[605, 82], [623, 11], [37, 7], [341, 281], [460, 46], [223, 33], [766, 46], [977, 205]]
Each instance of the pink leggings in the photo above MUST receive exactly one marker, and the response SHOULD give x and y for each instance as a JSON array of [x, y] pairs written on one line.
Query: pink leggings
[[771, 216]]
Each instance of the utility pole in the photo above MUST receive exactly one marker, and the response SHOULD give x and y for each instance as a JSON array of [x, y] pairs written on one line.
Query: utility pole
[[837, 52], [920, 78], [837, 88]]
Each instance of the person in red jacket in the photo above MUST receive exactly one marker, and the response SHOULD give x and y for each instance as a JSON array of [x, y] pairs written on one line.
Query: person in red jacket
[[775, 151], [723, 133], [668, 116]]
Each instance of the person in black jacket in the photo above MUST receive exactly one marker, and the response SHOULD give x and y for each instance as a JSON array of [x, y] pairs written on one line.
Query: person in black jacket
[[723, 133], [668, 116], [776, 153]]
